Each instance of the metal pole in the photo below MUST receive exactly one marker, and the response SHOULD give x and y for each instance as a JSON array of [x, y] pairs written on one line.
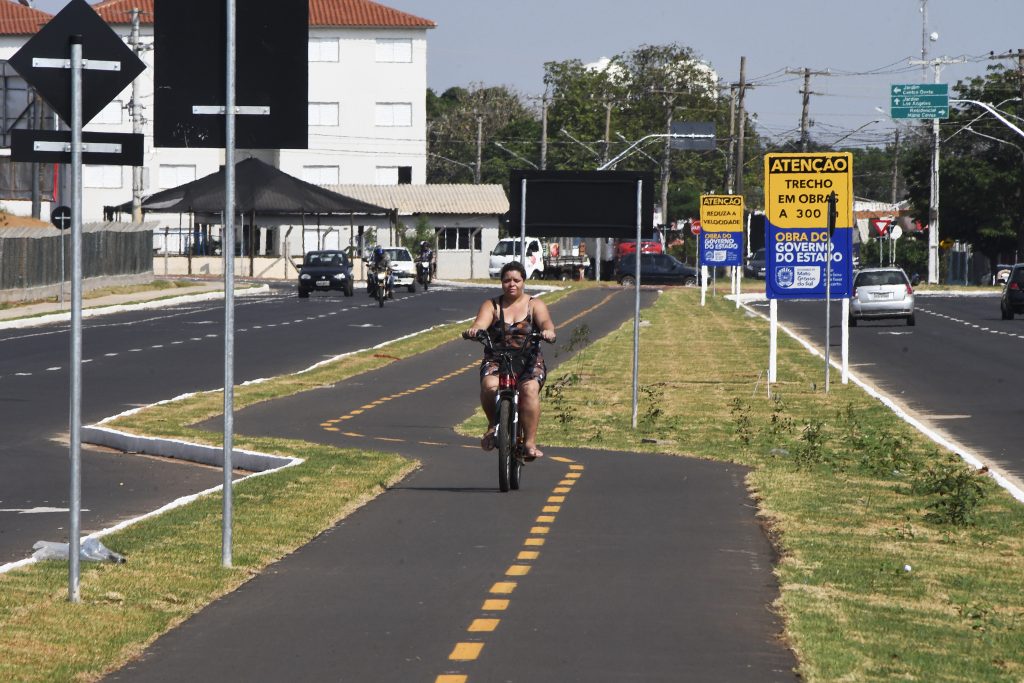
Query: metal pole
[[522, 225], [74, 541], [229, 282], [636, 304], [833, 199]]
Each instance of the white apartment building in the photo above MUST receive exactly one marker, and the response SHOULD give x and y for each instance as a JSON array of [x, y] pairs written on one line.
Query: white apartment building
[[367, 103]]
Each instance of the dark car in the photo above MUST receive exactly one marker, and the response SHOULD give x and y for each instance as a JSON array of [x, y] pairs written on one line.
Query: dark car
[[1012, 300], [755, 265], [325, 271], [656, 269]]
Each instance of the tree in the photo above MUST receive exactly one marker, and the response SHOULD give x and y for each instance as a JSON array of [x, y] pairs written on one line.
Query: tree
[[634, 94], [454, 120], [981, 172]]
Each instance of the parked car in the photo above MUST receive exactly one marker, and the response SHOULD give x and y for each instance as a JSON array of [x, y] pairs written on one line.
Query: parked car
[[755, 265], [1002, 275], [880, 293], [325, 271], [1012, 300], [403, 267], [626, 246], [656, 269]]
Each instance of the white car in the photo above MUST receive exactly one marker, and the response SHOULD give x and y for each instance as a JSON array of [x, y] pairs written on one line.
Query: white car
[[881, 293], [403, 267]]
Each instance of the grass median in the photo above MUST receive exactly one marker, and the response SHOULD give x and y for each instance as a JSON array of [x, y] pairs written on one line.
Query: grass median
[[897, 561]]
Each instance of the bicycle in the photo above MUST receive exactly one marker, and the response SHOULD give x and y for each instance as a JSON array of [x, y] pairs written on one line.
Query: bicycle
[[511, 449]]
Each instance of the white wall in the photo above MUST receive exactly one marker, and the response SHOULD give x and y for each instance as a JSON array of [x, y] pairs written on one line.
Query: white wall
[[356, 146]]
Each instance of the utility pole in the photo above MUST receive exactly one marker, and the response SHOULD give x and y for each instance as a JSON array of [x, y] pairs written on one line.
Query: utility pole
[[479, 146], [666, 162], [35, 117], [895, 164], [805, 112], [933, 200], [137, 118], [544, 133], [732, 139], [742, 126], [607, 130]]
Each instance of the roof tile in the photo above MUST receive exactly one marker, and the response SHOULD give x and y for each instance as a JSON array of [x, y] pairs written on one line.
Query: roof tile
[[18, 20], [435, 199], [356, 13]]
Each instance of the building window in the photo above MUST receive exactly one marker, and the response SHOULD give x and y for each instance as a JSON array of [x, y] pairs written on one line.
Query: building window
[[112, 114], [394, 50], [321, 175], [450, 239], [172, 175], [387, 175], [393, 114], [323, 113], [101, 176], [323, 49]]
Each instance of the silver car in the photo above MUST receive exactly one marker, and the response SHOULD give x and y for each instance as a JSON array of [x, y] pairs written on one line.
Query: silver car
[[881, 293]]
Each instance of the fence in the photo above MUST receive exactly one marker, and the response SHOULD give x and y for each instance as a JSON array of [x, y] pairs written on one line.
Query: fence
[[35, 260]]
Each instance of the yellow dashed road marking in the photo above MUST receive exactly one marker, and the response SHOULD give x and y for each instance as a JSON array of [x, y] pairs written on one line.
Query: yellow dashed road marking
[[494, 605], [556, 499], [466, 652], [483, 625], [528, 555], [518, 570], [503, 587], [451, 678], [534, 541]]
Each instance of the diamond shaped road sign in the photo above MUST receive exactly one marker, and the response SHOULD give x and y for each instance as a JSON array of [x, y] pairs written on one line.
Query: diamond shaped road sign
[[99, 44]]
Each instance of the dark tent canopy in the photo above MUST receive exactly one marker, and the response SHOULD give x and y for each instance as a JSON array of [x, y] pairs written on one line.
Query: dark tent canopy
[[259, 188]]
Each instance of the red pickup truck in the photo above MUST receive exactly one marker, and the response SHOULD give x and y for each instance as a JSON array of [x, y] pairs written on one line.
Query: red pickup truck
[[624, 247]]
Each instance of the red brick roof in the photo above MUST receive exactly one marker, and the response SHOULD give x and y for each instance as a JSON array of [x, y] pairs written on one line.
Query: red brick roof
[[18, 20], [358, 13]]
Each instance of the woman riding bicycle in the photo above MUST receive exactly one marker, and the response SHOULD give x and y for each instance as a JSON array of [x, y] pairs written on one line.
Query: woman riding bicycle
[[509, 320]]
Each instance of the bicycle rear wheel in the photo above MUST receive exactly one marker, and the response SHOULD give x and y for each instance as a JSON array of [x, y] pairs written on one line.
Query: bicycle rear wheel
[[506, 444]]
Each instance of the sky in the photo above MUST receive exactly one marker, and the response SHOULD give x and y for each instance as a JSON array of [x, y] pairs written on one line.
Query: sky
[[865, 45]]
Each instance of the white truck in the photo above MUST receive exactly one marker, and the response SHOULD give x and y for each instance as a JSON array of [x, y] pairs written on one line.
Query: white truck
[[543, 260]]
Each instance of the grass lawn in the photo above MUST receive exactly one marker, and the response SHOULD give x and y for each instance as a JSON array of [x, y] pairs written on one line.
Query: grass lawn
[[898, 562]]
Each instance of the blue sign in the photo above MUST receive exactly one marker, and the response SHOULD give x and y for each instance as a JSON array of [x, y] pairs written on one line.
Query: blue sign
[[796, 260], [721, 248]]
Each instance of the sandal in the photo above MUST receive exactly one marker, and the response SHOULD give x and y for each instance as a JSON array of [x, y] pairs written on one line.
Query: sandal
[[532, 453], [487, 441]]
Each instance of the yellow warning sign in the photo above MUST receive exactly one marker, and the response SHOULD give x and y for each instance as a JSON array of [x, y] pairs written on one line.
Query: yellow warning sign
[[797, 186], [721, 212]]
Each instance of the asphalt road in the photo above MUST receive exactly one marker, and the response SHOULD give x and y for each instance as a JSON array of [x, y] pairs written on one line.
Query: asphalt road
[[605, 566], [139, 357], [958, 369]]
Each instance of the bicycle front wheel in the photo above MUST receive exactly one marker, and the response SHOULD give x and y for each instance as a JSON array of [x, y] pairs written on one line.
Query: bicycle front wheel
[[506, 443]]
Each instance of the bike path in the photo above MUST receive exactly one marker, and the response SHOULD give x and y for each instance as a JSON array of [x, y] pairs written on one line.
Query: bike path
[[605, 566]]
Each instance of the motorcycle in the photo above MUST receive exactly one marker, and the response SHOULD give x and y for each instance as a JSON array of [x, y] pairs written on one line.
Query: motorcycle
[[379, 285], [423, 271]]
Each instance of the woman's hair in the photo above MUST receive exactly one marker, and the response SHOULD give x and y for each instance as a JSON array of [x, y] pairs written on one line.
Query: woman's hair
[[513, 265]]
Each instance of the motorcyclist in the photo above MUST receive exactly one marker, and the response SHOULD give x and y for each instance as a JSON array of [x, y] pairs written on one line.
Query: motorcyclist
[[379, 261], [426, 255]]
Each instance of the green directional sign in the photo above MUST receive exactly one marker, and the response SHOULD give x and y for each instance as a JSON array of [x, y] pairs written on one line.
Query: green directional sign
[[919, 101]]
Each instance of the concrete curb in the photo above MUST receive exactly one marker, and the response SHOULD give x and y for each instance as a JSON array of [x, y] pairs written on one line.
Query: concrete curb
[[183, 450]]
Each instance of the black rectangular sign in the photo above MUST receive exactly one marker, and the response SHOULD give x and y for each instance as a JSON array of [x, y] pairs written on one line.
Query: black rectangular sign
[[582, 203], [132, 146], [272, 70]]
